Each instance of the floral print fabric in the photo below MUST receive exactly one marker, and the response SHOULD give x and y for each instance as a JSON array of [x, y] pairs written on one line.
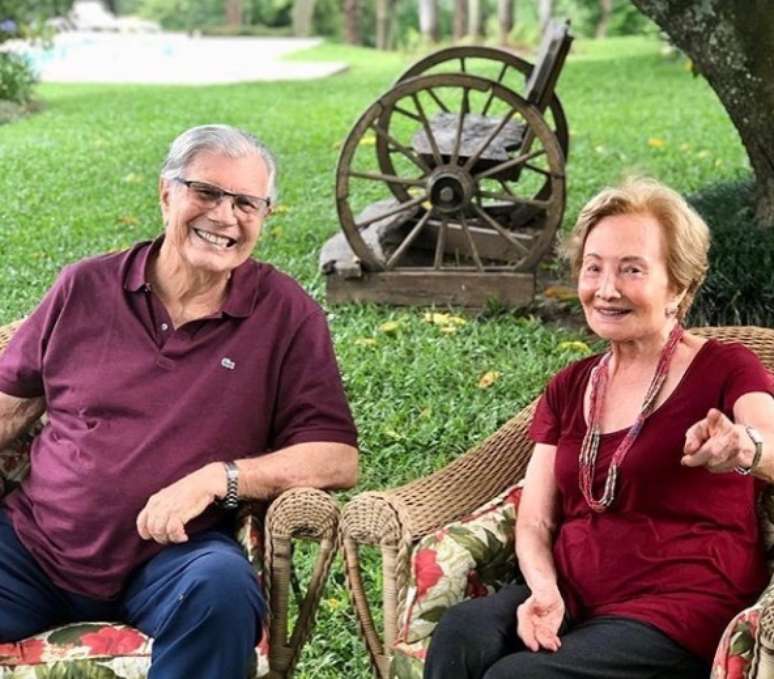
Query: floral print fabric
[[474, 557], [101, 650]]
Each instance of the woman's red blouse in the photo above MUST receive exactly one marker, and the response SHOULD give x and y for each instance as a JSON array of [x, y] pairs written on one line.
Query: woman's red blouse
[[679, 548]]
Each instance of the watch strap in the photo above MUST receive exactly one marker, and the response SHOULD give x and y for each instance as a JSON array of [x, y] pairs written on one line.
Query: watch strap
[[757, 439], [231, 498]]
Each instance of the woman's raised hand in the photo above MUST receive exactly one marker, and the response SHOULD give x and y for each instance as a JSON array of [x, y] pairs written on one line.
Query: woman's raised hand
[[538, 621]]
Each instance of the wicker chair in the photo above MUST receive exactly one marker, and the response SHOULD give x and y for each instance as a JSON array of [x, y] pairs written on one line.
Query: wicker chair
[[267, 537], [395, 520]]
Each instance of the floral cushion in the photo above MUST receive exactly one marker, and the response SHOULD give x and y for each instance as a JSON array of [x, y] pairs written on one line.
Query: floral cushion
[[101, 650], [469, 558], [408, 660]]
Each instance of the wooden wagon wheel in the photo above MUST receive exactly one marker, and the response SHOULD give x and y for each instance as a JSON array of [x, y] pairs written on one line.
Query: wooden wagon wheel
[[468, 60], [459, 193]]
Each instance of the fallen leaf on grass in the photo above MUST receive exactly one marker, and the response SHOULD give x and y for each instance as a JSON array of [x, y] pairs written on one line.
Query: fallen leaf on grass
[[575, 345], [563, 293], [656, 143], [389, 327], [133, 178], [365, 342], [129, 220], [489, 378]]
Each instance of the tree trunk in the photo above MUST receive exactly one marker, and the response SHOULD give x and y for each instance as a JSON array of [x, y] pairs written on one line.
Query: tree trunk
[[234, 13], [303, 13], [505, 19], [352, 22], [545, 10], [730, 44], [460, 19], [384, 10], [605, 10], [475, 21], [428, 19]]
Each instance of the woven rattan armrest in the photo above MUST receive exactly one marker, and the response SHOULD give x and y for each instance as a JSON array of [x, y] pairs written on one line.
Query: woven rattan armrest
[[393, 520], [297, 514]]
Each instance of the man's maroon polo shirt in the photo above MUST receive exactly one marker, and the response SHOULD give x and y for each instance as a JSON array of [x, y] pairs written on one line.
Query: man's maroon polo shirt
[[134, 404]]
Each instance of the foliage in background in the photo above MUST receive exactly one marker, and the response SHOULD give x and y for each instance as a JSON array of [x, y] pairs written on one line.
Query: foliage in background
[[414, 387], [257, 15], [22, 19], [739, 289], [16, 78]]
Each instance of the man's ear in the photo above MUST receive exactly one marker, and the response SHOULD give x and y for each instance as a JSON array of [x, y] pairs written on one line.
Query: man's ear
[[164, 188]]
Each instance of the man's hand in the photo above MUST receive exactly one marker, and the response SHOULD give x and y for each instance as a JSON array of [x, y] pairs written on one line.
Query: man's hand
[[717, 444], [538, 621], [165, 514]]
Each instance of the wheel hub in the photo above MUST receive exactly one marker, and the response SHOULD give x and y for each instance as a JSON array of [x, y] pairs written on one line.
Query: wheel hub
[[450, 188]]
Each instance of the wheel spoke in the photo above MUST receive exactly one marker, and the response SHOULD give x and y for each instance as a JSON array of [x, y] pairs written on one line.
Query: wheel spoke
[[518, 200], [394, 211], [408, 240], [389, 178], [471, 243], [491, 94], [508, 164], [510, 237], [462, 64], [406, 113], [503, 122], [440, 245], [399, 147], [428, 130], [437, 100], [506, 188], [540, 170], [460, 124]]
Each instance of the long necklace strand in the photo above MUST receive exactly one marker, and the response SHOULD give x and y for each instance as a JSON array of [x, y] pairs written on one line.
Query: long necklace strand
[[590, 446]]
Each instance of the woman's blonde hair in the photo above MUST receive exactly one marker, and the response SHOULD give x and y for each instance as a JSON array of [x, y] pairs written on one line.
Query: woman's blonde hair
[[686, 234]]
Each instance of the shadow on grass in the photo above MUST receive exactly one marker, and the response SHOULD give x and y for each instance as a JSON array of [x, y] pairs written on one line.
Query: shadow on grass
[[739, 289]]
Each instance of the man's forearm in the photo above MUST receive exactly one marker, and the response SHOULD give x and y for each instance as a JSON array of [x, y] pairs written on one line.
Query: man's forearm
[[319, 465], [16, 415]]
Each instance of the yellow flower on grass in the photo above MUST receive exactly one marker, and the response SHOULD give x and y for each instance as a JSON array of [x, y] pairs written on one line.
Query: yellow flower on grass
[[389, 327], [489, 378], [656, 143], [365, 342], [280, 209], [277, 232], [703, 154], [367, 140], [333, 603], [575, 345], [133, 178]]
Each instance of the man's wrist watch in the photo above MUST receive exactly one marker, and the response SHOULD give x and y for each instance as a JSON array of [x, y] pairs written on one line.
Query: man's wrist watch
[[231, 498], [757, 439]]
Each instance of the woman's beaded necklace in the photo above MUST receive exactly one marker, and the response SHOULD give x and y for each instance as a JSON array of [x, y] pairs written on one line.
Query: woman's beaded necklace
[[590, 447]]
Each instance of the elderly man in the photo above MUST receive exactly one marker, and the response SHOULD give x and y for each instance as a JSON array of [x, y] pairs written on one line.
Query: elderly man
[[179, 376]]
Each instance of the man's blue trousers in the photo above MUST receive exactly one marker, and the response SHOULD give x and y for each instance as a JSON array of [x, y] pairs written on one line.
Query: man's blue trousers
[[200, 601]]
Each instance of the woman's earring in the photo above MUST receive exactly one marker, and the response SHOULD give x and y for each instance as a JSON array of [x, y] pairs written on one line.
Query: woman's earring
[[670, 311]]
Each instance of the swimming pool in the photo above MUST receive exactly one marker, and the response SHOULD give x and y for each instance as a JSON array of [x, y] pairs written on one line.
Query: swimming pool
[[171, 58]]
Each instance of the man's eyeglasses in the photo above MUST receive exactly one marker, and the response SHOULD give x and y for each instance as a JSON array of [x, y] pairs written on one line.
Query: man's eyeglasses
[[210, 196]]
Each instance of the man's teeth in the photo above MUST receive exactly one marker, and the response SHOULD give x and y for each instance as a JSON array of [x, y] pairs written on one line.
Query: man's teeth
[[220, 241]]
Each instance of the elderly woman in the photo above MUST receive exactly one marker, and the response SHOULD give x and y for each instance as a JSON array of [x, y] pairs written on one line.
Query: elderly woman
[[636, 535], [178, 376]]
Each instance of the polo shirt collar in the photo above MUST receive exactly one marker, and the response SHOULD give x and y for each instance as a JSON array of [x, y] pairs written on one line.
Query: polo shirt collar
[[243, 287]]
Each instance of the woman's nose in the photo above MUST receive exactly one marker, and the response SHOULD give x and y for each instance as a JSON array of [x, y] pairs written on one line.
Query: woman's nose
[[608, 289]]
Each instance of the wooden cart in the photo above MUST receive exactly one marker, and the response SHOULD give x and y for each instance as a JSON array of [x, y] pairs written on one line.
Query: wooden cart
[[451, 186]]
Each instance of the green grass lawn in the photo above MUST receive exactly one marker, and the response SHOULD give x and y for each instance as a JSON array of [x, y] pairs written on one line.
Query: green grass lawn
[[80, 178]]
